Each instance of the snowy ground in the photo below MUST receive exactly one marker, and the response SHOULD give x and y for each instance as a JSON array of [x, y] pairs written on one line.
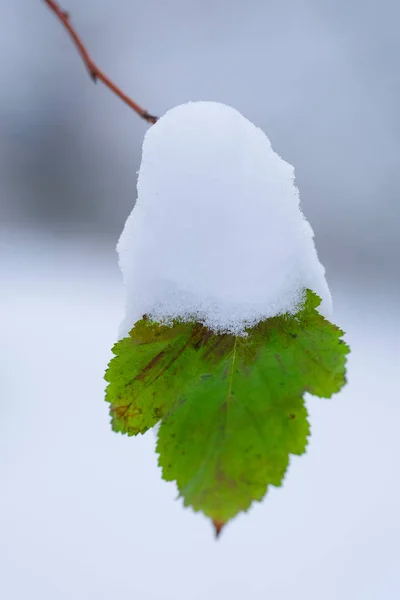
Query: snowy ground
[[84, 514]]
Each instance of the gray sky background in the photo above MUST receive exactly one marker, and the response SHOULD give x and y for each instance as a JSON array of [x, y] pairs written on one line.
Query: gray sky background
[[321, 77]]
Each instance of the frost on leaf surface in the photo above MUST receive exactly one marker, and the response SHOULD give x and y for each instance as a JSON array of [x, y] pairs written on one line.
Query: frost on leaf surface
[[231, 407]]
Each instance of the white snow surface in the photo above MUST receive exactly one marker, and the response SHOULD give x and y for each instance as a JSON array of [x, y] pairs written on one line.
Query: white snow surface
[[84, 513], [217, 233]]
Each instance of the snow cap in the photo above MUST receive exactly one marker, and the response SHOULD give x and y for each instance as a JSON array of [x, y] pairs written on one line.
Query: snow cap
[[217, 234]]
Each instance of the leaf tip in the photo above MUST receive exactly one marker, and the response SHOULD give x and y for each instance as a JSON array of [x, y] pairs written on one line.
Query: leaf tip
[[218, 526]]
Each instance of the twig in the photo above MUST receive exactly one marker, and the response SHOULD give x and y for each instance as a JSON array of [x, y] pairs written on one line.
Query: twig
[[94, 72]]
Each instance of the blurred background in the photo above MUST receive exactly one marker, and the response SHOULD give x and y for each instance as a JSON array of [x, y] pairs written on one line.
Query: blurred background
[[83, 512]]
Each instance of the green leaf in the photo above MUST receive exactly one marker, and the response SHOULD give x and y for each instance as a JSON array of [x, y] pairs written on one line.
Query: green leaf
[[231, 408]]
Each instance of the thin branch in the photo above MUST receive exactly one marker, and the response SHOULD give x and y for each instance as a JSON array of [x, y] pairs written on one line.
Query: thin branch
[[94, 72]]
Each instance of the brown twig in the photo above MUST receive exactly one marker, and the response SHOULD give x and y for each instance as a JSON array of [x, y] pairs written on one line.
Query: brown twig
[[94, 72]]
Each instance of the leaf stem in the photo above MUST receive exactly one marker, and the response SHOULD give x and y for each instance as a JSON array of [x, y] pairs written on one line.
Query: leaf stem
[[94, 71]]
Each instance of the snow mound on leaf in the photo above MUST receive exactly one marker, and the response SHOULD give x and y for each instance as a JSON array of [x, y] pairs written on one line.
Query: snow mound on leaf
[[217, 234]]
